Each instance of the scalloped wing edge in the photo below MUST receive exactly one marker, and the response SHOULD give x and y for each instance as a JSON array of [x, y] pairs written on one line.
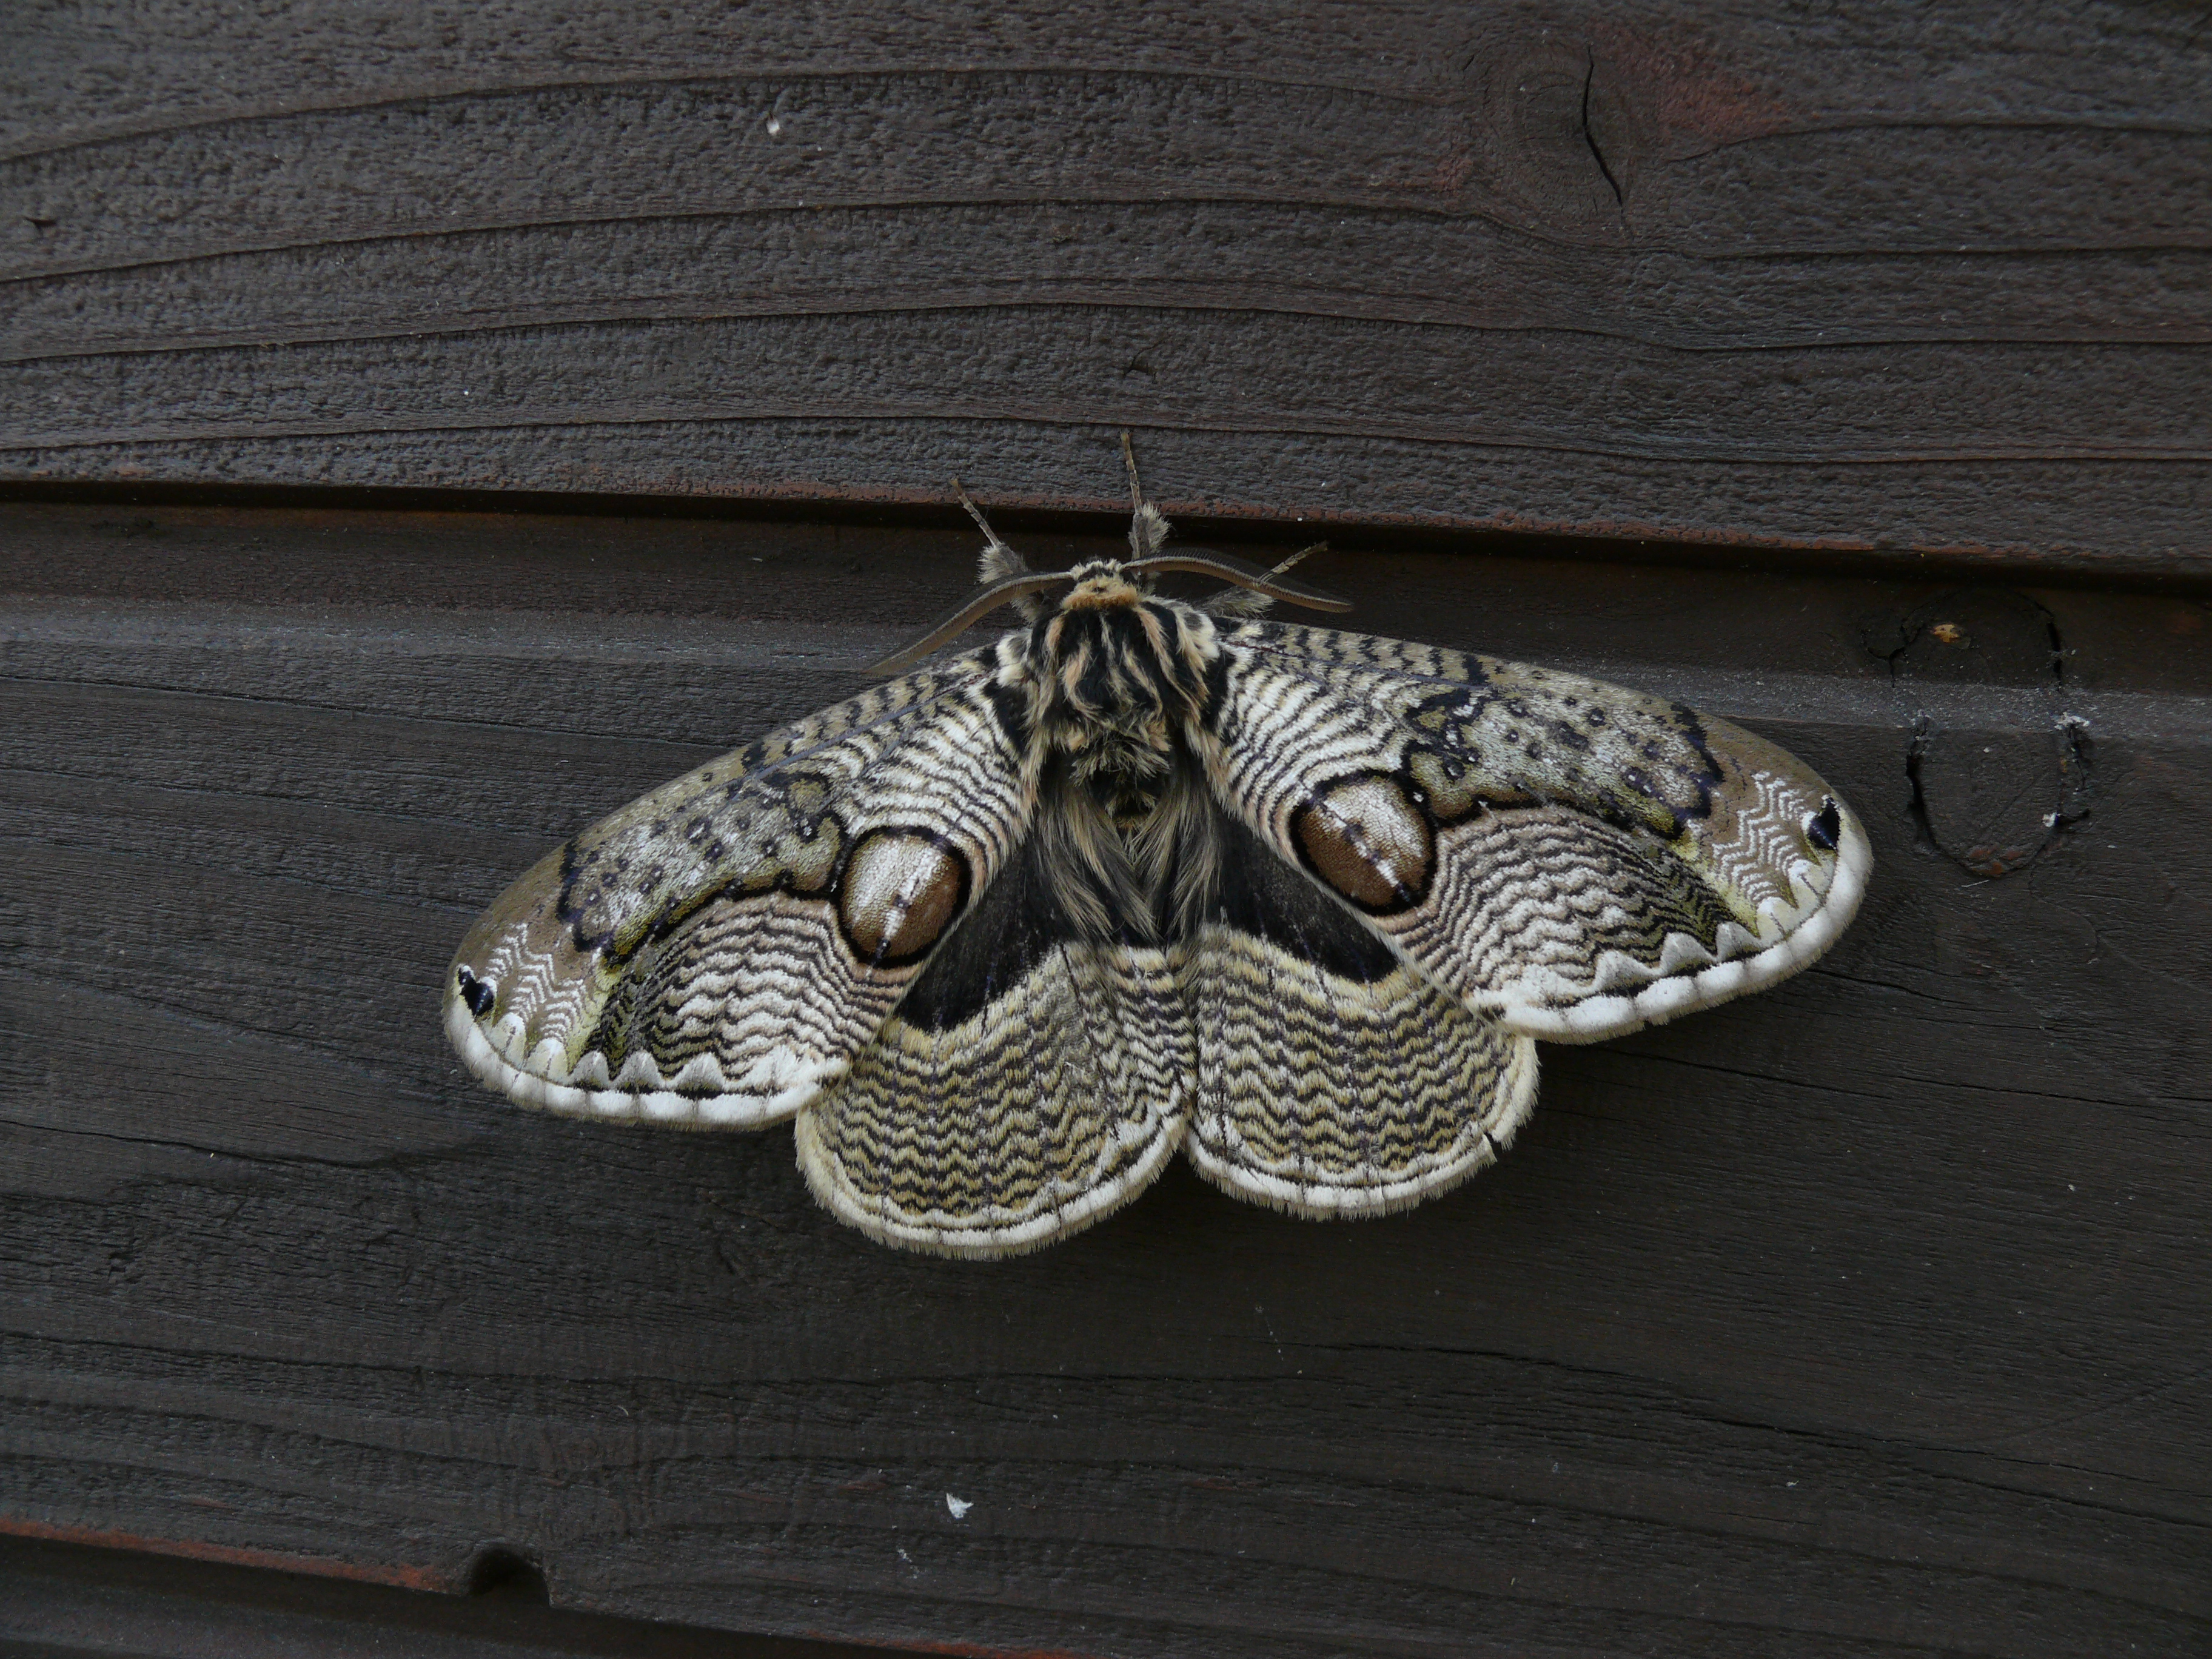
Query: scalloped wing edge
[[1314, 1202], [1087, 1209], [698, 1097], [1672, 991]]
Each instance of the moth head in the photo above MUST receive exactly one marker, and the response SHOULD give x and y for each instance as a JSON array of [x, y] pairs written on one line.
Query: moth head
[[1109, 584], [1106, 584], [1102, 585]]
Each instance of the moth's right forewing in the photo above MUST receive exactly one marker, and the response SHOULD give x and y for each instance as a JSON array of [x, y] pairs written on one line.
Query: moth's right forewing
[[1573, 859], [715, 953]]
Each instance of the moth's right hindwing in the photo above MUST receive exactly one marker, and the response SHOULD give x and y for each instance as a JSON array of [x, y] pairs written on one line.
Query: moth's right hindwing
[[716, 952]]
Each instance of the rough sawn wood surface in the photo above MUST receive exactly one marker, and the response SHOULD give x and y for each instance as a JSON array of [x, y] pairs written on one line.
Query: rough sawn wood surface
[[1870, 277], [1864, 1316]]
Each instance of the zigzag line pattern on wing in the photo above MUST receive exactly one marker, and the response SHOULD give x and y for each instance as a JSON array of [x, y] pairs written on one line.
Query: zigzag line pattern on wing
[[1053, 1103], [554, 1002], [1761, 851], [1325, 1095], [745, 980], [1526, 902], [754, 1001], [1627, 859]]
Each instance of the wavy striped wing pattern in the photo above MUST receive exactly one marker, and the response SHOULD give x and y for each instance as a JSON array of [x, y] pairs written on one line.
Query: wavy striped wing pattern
[[1570, 859], [1377, 873], [715, 953]]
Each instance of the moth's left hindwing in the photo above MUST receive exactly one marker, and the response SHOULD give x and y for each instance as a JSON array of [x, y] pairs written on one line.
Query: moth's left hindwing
[[1035, 1078], [1335, 1079], [718, 952]]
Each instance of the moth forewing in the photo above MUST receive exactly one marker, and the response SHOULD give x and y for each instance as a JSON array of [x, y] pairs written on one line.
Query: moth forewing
[[715, 953], [1602, 859]]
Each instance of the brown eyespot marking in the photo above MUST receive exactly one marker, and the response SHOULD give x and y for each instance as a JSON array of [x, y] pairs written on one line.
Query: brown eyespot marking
[[902, 889], [1366, 838]]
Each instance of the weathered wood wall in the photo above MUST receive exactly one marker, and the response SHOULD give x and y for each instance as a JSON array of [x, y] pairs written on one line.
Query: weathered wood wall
[[1865, 275], [1870, 1311], [1866, 1317]]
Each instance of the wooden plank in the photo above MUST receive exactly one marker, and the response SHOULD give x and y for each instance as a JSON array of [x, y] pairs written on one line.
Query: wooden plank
[[1867, 277], [1860, 1316], [70, 1599]]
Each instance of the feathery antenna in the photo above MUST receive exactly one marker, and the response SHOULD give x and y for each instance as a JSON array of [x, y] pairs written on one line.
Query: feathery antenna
[[1148, 527]]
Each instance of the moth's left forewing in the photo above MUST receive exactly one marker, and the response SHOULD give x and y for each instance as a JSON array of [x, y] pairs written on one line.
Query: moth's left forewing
[[1718, 862], [1573, 859]]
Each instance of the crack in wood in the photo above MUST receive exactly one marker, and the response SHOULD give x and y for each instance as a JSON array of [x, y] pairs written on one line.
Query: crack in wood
[[1589, 138]]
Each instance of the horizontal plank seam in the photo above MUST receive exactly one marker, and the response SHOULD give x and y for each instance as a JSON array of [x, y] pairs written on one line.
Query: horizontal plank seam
[[428, 903], [627, 736], [1142, 419], [1378, 204], [1406, 202], [1962, 1085], [378, 1161], [193, 1020], [1179, 298]]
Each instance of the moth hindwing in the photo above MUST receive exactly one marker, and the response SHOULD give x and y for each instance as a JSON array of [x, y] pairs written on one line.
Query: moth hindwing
[[1004, 933]]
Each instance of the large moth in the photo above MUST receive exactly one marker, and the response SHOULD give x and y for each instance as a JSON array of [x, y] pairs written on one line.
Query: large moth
[[1004, 933]]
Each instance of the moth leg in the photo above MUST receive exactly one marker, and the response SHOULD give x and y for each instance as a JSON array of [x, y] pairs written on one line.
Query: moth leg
[[1249, 602]]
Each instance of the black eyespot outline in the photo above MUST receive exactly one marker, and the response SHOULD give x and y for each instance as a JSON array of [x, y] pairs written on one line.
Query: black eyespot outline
[[478, 994], [1825, 827], [1402, 899]]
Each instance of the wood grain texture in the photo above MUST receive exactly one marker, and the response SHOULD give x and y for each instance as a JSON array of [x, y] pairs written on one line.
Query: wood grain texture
[[1864, 276], [1863, 1317]]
